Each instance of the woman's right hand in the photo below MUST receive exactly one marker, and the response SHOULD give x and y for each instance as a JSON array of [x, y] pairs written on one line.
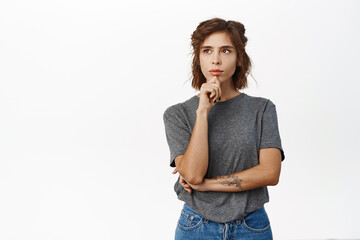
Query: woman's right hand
[[209, 93], [183, 183]]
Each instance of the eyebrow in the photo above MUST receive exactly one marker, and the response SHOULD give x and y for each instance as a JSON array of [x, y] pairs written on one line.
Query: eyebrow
[[226, 46]]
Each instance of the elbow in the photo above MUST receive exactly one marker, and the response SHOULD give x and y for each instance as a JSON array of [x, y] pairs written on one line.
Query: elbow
[[191, 177], [273, 176], [195, 180], [274, 180]]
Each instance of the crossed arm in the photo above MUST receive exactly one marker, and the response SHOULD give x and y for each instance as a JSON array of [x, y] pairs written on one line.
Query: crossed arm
[[265, 174]]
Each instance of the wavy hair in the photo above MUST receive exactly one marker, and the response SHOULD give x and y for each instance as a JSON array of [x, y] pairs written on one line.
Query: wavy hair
[[236, 32]]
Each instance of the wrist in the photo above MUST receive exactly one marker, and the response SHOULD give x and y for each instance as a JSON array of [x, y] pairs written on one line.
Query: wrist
[[202, 111], [208, 184]]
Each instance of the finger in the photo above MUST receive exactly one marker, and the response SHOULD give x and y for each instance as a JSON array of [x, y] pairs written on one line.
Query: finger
[[175, 171], [216, 91], [210, 92], [182, 181], [215, 95], [217, 83], [185, 184], [186, 187], [213, 92], [207, 90], [213, 79], [219, 87]]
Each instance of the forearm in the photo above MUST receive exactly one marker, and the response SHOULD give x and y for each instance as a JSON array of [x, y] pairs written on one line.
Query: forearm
[[194, 163], [251, 178]]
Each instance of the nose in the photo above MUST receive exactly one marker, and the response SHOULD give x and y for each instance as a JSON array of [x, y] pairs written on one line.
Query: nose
[[216, 59]]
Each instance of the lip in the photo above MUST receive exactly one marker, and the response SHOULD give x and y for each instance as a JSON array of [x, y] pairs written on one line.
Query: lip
[[216, 73], [215, 70]]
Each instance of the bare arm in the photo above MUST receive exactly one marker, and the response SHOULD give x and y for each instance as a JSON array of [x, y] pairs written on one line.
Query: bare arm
[[265, 174], [194, 163]]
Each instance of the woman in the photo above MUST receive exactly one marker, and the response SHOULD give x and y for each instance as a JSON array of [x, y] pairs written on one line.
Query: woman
[[224, 144]]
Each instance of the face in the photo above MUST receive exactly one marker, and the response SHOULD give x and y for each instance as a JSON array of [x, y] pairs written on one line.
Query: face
[[218, 53]]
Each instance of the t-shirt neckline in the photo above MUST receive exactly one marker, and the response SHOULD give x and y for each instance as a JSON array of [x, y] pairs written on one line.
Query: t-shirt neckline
[[229, 100]]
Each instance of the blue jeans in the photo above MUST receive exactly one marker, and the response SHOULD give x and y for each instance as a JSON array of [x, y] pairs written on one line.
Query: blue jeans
[[191, 225]]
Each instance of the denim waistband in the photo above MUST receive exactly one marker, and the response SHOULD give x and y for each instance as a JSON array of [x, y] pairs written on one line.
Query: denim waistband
[[236, 221]]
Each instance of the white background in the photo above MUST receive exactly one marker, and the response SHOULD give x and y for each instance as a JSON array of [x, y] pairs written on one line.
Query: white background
[[83, 88]]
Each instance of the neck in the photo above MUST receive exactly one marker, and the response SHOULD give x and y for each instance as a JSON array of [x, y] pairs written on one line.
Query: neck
[[227, 90]]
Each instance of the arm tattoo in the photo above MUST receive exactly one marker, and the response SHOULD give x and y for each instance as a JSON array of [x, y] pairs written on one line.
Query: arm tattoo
[[230, 180]]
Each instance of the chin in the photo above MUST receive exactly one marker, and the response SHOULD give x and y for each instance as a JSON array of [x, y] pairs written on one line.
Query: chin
[[211, 77]]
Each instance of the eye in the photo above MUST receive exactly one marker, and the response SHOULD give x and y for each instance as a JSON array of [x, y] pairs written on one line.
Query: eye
[[226, 50], [205, 51]]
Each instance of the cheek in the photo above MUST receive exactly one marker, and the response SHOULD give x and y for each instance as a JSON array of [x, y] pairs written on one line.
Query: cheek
[[231, 68], [202, 60], [231, 64], [202, 66]]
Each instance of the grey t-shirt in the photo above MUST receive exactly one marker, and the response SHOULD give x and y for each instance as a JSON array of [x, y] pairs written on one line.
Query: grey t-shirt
[[237, 129]]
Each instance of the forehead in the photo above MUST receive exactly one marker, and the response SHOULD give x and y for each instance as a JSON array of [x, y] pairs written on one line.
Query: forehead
[[217, 39]]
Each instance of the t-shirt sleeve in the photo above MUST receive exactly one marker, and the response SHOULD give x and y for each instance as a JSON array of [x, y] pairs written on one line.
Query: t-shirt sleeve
[[177, 133], [270, 136]]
